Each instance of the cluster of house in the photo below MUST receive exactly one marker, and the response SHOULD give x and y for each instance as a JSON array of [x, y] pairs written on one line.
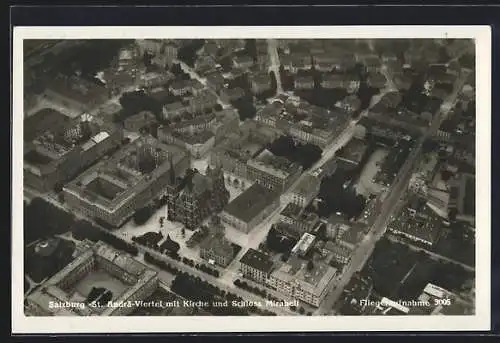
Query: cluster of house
[[306, 122], [200, 134]]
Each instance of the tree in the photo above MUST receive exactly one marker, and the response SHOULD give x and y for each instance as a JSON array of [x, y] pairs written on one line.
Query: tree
[[43, 220]]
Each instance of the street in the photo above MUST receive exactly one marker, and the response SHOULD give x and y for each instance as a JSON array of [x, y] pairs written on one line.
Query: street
[[209, 278]]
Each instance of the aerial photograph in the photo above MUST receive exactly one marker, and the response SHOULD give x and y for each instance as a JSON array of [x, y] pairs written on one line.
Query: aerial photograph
[[249, 177]]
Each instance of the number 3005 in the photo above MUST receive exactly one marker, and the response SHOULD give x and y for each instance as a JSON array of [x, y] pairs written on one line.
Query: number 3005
[[444, 302]]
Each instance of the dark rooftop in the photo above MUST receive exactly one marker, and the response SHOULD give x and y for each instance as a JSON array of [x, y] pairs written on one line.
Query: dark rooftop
[[257, 260], [251, 202], [41, 121], [36, 158]]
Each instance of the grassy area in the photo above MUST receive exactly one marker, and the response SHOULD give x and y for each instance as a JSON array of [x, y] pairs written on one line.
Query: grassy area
[[388, 266], [400, 273]]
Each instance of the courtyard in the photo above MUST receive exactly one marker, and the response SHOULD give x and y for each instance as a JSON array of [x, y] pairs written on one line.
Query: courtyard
[[366, 186], [101, 279]]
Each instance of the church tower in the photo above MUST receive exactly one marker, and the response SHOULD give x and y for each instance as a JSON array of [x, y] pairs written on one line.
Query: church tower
[[171, 191], [172, 171]]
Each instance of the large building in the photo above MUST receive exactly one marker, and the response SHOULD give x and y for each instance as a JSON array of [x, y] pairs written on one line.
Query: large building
[[250, 207], [305, 122], [306, 190], [274, 172], [295, 280], [138, 173], [256, 265], [99, 274], [299, 221], [57, 148], [198, 144], [196, 196]]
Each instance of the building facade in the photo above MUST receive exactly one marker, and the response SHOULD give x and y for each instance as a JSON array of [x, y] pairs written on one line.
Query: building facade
[[256, 266], [54, 157], [137, 174], [273, 172], [140, 283], [217, 248], [196, 196], [251, 207], [307, 189], [294, 280]]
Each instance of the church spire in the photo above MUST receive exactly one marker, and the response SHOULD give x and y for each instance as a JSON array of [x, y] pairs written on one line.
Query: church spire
[[172, 171], [189, 182]]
